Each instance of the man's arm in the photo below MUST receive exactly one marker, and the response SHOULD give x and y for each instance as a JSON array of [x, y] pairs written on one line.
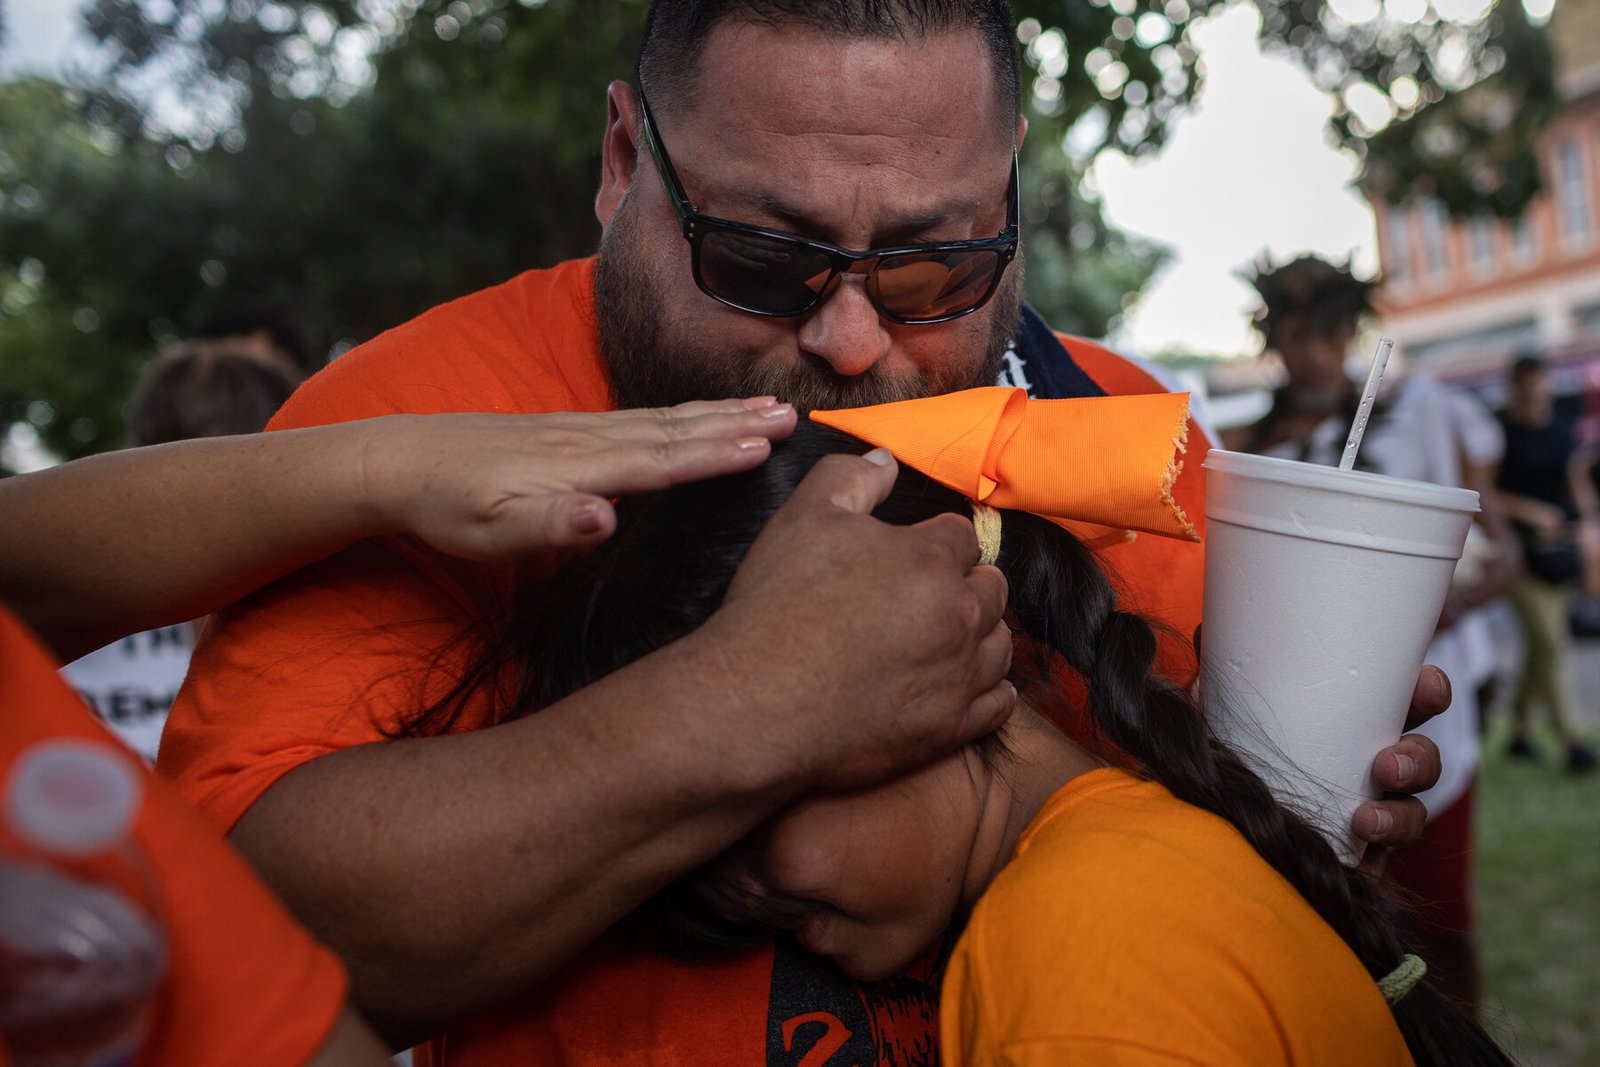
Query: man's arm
[[127, 541], [455, 872]]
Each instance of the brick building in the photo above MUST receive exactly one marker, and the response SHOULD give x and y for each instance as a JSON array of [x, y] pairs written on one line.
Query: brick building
[[1462, 297]]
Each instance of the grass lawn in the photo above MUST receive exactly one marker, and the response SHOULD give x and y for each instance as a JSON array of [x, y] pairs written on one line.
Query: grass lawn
[[1539, 905]]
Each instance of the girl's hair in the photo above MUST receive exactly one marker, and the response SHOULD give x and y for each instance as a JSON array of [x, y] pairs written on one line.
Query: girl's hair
[[675, 552]]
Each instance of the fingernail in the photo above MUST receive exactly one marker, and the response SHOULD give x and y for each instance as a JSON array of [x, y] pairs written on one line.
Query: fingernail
[[777, 411], [1404, 768], [1441, 688], [881, 456], [756, 403], [1382, 821], [750, 444], [586, 518]]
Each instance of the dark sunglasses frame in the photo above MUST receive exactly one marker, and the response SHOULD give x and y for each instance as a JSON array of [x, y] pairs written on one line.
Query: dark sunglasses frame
[[696, 226]]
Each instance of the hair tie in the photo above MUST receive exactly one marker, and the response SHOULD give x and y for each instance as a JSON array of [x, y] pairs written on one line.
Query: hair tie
[[1403, 979], [986, 523]]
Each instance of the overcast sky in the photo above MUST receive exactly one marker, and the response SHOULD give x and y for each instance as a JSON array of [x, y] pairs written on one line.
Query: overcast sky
[[1248, 170]]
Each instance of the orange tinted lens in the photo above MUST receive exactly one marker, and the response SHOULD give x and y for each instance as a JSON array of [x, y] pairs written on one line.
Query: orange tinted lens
[[762, 273], [931, 285]]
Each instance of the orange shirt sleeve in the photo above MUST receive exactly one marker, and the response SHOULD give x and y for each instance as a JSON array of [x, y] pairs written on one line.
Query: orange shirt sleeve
[[1131, 928], [244, 984], [334, 655]]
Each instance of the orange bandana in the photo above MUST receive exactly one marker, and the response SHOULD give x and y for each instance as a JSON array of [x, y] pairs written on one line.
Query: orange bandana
[[1097, 466]]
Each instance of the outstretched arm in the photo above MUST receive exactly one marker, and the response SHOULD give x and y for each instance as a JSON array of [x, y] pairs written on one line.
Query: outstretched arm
[[113, 544]]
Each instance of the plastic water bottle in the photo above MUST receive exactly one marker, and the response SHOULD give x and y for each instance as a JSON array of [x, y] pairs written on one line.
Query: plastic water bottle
[[81, 947]]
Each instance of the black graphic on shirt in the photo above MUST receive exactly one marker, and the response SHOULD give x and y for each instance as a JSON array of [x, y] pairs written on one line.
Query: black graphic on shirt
[[818, 1017]]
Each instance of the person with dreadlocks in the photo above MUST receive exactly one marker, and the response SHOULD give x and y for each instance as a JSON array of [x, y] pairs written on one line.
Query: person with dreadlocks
[[1310, 311]]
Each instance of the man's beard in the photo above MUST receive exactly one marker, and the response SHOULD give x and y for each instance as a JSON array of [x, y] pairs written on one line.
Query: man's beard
[[646, 368]]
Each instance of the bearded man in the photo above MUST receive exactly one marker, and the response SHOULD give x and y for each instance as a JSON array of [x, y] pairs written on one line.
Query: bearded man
[[814, 200]]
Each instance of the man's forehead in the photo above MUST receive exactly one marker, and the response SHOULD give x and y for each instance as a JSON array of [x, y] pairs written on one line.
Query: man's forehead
[[847, 125], [788, 74]]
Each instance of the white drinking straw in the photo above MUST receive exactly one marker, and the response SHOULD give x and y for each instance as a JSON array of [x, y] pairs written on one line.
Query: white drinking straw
[[1364, 412]]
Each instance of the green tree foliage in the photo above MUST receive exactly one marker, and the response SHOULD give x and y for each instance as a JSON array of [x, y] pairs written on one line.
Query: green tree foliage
[[356, 161]]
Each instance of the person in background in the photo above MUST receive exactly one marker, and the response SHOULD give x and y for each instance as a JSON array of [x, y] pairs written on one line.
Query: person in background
[[189, 393], [204, 391], [1310, 311], [259, 330], [1549, 492], [1492, 556]]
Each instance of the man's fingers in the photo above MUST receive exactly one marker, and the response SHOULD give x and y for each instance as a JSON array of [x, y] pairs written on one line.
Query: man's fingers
[[1396, 822], [1410, 765], [989, 712], [850, 483], [994, 655], [954, 536], [990, 587], [1429, 698]]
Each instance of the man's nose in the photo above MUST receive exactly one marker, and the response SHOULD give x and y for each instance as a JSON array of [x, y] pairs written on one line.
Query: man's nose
[[846, 331]]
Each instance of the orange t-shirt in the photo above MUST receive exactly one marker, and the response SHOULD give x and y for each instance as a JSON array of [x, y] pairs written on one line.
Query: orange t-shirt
[[1133, 929], [327, 657], [244, 983]]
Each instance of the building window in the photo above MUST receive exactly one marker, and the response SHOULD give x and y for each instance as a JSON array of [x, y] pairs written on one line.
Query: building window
[[1435, 231], [1484, 231], [1576, 222], [1524, 241], [1398, 252]]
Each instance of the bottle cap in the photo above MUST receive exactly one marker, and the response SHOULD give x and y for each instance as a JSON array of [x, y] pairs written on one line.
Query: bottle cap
[[72, 797]]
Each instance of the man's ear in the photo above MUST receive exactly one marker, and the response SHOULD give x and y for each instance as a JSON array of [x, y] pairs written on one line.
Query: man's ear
[[1022, 129], [619, 151]]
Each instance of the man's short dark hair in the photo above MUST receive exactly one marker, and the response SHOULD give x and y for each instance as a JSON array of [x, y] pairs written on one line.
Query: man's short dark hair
[[675, 34]]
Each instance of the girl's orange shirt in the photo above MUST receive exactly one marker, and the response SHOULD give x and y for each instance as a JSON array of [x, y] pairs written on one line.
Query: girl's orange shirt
[[1131, 928]]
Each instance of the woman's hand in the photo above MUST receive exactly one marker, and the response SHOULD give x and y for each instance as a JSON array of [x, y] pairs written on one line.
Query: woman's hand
[[495, 487]]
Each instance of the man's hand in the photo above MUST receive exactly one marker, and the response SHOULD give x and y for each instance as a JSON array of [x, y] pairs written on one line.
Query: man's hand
[[1405, 768], [860, 649]]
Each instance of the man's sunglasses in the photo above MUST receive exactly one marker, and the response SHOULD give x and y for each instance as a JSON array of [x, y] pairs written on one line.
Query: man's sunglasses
[[769, 273]]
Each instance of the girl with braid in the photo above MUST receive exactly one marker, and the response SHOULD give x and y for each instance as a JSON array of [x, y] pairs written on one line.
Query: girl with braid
[[1130, 892]]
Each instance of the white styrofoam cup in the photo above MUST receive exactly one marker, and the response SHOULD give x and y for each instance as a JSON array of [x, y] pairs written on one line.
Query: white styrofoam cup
[[1322, 591]]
